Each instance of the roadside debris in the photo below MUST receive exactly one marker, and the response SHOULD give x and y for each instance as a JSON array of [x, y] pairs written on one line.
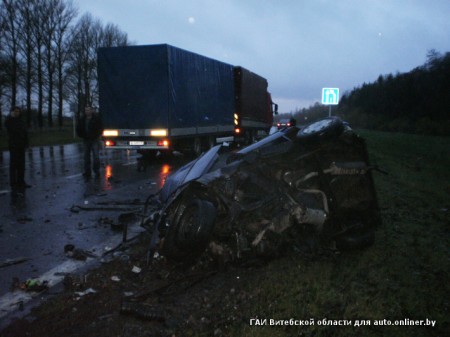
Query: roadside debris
[[74, 281], [304, 187], [120, 208], [11, 262], [77, 254], [143, 311], [30, 285], [105, 221], [35, 285], [80, 294], [24, 219]]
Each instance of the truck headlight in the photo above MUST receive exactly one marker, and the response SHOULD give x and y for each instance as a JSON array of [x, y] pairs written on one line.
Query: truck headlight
[[110, 133]]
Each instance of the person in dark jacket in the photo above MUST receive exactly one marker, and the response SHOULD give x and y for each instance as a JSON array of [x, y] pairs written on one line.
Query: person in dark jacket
[[90, 128], [17, 143]]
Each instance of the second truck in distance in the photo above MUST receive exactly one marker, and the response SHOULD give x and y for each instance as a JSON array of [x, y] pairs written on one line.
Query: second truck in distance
[[162, 98]]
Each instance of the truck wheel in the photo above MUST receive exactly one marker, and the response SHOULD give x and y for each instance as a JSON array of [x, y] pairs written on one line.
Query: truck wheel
[[250, 137], [321, 130], [148, 154], [147, 157], [211, 142], [197, 146], [189, 235]]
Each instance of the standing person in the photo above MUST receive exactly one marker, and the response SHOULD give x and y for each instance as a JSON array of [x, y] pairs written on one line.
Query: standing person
[[90, 128], [17, 143]]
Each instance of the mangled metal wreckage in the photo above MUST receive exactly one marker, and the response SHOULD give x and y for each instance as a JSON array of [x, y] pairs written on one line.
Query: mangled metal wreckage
[[304, 187]]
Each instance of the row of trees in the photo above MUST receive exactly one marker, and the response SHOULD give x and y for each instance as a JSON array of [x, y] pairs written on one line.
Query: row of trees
[[417, 101], [48, 57]]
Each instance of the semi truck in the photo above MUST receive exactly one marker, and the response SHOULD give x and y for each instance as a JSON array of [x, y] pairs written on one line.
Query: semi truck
[[162, 98]]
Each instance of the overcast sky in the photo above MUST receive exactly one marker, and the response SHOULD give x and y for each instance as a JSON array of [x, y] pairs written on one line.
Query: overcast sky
[[300, 46]]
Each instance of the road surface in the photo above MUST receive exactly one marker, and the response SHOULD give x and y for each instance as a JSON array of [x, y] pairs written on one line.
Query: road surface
[[63, 208]]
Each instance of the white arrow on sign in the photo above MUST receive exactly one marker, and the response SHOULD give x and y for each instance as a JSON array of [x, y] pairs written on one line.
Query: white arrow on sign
[[330, 96]]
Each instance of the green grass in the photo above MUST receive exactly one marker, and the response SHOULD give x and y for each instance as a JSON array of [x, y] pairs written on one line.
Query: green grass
[[55, 136], [405, 274]]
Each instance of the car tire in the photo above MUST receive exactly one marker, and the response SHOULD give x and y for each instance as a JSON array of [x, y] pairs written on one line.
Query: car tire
[[187, 237], [321, 130]]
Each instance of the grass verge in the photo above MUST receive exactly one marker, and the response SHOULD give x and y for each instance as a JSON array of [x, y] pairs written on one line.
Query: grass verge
[[56, 136], [404, 275]]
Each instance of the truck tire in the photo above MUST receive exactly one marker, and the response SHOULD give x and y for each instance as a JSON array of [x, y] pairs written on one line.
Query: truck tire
[[148, 154], [321, 130], [250, 137], [197, 146], [211, 142], [189, 235]]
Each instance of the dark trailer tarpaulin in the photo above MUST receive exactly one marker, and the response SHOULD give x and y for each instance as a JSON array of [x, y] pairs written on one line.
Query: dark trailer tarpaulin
[[161, 86], [252, 99]]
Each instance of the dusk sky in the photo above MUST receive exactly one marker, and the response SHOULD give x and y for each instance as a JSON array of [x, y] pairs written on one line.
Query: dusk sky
[[299, 46]]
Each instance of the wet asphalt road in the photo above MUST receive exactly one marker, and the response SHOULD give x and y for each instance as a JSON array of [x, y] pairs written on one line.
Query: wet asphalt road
[[38, 224]]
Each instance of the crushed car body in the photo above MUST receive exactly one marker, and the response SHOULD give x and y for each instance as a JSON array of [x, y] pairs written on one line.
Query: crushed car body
[[306, 187]]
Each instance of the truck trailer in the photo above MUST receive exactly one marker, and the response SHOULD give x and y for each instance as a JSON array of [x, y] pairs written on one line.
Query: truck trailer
[[162, 98]]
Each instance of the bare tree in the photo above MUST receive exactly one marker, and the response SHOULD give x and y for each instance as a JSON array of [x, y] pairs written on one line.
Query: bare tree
[[11, 40], [112, 36], [49, 9], [4, 65], [90, 35], [47, 59], [65, 16], [3, 62], [38, 34], [28, 16], [81, 60]]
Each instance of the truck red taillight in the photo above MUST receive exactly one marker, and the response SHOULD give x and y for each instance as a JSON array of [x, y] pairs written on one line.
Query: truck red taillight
[[163, 142], [110, 143]]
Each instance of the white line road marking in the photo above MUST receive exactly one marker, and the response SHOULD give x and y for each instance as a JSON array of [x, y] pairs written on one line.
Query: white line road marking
[[73, 176], [10, 301], [131, 163]]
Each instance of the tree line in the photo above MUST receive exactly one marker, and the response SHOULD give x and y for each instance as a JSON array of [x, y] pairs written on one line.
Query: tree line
[[48, 58], [415, 102]]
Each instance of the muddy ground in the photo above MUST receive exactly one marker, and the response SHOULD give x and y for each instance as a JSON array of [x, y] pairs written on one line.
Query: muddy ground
[[125, 297]]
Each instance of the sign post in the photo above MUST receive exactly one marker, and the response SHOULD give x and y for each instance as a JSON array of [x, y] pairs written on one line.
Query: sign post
[[330, 96]]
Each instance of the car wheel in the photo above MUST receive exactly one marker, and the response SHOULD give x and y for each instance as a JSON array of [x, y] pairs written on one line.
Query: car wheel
[[189, 235], [324, 129]]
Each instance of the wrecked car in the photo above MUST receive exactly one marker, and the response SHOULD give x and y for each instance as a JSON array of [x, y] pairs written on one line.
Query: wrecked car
[[304, 187]]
